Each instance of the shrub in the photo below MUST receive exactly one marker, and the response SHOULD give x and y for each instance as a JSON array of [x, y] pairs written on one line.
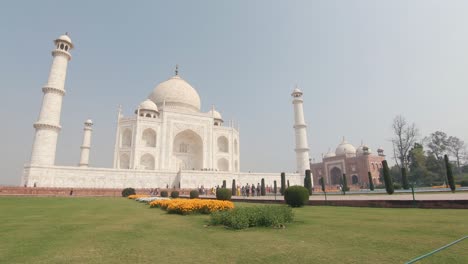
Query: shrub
[[175, 194], [397, 186], [244, 217], [194, 194], [464, 183], [296, 196], [164, 194], [223, 194], [128, 191]]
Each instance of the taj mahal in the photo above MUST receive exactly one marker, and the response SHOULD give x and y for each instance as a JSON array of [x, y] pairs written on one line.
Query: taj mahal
[[168, 141]]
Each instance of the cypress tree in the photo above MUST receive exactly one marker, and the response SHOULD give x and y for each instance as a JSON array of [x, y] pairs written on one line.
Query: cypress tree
[[404, 179], [288, 183], [224, 184], [308, 181], [371, 182], [262, 190], [233, 189], [387, 179], [448, 169], [274, 187], [345, 184], [283, 183], [322, 182]]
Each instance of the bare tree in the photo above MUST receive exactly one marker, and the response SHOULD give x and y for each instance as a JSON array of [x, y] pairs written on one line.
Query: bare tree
[[405, 135], [458, 149]]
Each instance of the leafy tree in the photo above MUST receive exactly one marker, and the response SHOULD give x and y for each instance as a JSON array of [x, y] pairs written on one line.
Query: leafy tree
[[448, 168], [387, 179], [405, 135], [437, 144], [371, 182]]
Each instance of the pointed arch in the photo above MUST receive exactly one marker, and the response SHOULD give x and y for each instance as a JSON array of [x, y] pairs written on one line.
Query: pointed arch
[[223, 144], [147, 162], [124, 161], [149, 138], [223, 164], [187, 150], [126, 140]]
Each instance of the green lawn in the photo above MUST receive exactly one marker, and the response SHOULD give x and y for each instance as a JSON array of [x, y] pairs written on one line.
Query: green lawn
[[118, 230]]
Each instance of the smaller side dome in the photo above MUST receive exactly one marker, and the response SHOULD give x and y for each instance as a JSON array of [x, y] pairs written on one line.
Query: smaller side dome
[[363, 150], [65, 38], [216, 114], [148, 105], [218, 119], [89, 122], [330, 154]]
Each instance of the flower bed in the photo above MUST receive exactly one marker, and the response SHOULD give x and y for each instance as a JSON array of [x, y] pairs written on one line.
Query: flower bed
[[191, 206], [150, 199], [136, 196]]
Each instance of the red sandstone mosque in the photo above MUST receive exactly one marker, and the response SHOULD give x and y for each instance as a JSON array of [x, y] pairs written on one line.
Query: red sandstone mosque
[[355, 163]]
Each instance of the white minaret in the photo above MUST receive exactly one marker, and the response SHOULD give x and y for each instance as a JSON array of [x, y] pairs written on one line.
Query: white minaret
[[302, 147], [48, 125], [84, 157]]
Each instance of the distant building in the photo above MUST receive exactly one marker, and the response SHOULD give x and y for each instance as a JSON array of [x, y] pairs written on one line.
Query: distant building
[[355, 163]]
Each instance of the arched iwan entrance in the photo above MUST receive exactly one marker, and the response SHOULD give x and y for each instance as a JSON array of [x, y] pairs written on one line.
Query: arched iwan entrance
[[223, 164], [188, 151], [336, 176]]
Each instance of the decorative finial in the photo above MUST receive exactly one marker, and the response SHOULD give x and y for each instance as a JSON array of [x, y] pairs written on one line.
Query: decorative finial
[[66, 33], [177, 69]]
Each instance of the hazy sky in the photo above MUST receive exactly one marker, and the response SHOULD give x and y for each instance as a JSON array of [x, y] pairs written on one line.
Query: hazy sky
[[359, 63]]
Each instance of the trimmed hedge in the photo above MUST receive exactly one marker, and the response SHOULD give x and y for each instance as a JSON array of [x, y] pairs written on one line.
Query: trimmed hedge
[[223, 194], [296, 196], [175, 194], [244, 217], [164, 194], [128, 191], [194, 194]]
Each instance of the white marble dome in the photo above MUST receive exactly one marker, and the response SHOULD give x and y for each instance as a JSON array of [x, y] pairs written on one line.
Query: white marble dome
[[148, 105], [345, 148], [177, 94]]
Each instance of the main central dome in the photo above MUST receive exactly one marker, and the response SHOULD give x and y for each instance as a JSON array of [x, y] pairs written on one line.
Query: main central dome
[[176, 93]]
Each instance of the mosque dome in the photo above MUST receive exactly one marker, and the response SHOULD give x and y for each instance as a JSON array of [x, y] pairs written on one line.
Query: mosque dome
[[148, 105], [176, 93], [345, 148]]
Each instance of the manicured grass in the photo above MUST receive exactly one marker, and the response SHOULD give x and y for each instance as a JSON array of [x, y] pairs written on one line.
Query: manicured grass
[[118, 230]]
